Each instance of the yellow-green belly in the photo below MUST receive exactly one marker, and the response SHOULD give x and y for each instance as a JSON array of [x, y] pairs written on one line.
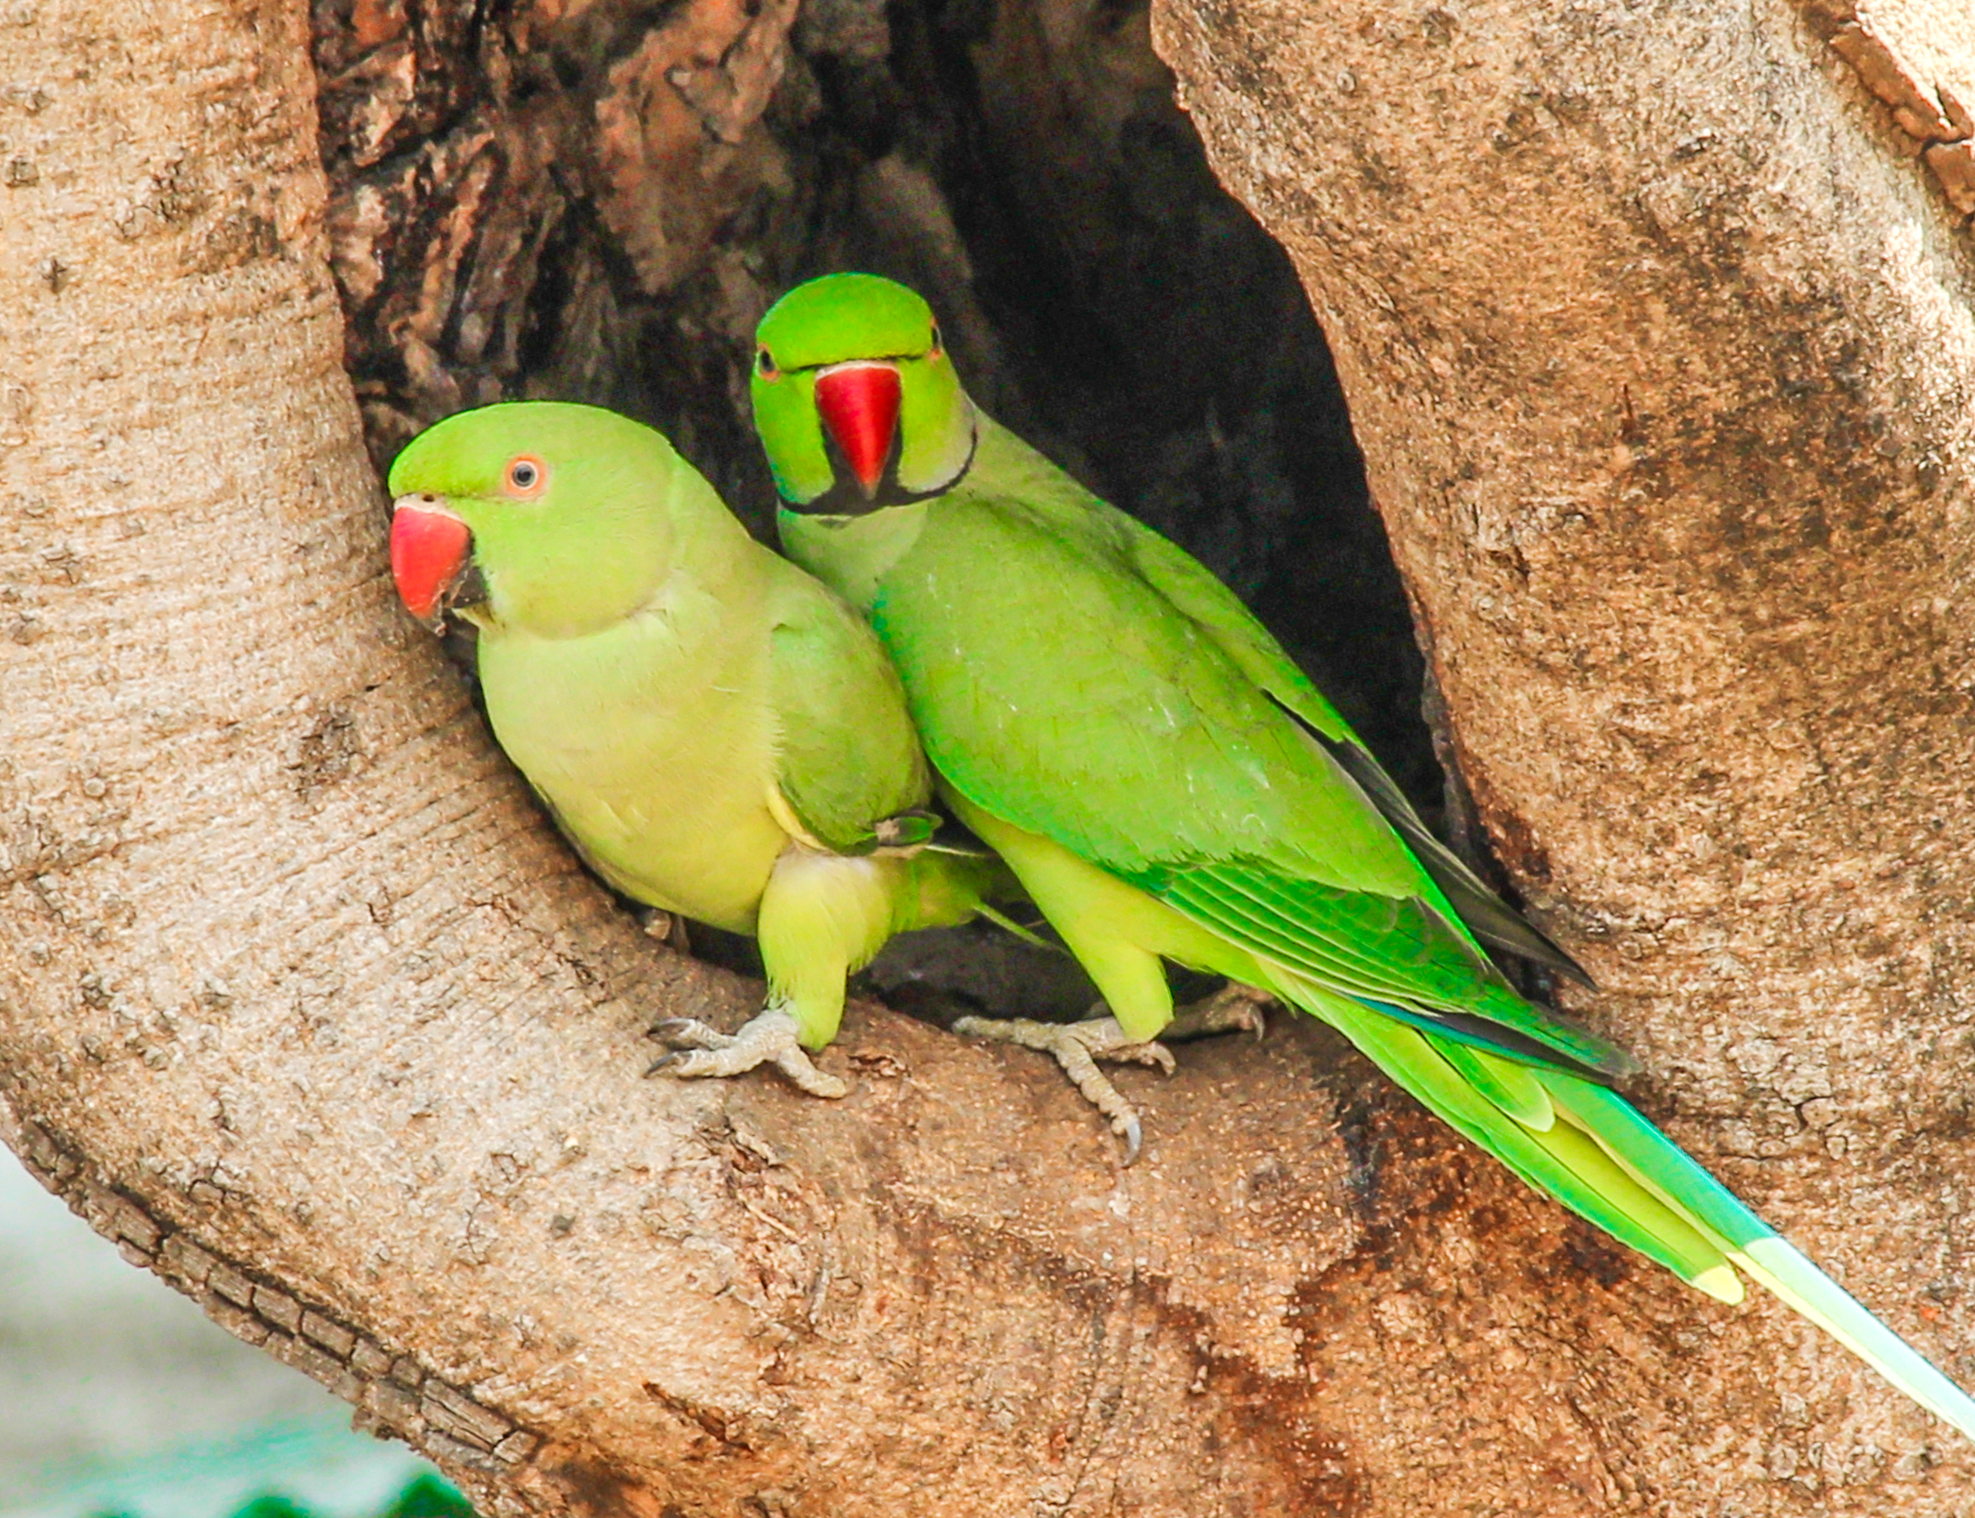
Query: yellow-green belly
[[655, 758]]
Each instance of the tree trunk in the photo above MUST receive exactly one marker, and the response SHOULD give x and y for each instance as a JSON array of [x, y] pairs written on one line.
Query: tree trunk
[[1663, 362], [1658, 353]]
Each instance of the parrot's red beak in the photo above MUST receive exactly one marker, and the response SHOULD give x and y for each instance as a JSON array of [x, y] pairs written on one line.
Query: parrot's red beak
[[430, 554], [859, 404]]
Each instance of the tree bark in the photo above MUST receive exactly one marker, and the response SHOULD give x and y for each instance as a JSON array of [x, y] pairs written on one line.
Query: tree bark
[[306, 1007], [1662, 357]]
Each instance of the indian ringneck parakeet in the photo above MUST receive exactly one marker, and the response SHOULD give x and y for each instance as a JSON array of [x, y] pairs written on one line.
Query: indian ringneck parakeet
[[716, 733], [1168, 785]]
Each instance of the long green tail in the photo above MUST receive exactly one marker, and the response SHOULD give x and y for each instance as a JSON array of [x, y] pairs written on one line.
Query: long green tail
[[1587, 1146]]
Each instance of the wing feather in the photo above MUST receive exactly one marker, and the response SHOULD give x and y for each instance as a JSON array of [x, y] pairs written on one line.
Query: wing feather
[[848, 759], [1378, 949], [1217, 610], [1109, 694]]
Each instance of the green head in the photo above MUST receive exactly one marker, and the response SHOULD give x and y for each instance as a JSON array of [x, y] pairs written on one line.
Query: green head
[[855, 398], [553, 518]]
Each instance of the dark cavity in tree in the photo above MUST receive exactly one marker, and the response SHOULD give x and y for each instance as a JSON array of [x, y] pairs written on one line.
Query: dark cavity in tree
[[597, 202]]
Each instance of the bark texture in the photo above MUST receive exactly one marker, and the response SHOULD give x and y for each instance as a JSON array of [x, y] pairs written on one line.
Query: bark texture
[[1664, 368], [307, 1009], [304, 1005]]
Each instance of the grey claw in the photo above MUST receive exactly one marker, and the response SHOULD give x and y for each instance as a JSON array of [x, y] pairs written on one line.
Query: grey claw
[[769, 1038], [690, 1033], [674, 1027], [1076, 1047], [1234, 1008]]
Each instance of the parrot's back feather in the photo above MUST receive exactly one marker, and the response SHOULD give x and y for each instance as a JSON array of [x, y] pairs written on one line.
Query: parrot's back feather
[[1376, 949], [1218, 611], [846, 760], [1493, 920]]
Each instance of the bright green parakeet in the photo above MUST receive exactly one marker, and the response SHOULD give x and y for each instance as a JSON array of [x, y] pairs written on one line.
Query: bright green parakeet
[[1169, 786], [716, 733]]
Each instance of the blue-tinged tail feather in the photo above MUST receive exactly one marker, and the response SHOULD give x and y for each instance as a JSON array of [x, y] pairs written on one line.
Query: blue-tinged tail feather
[[1603, 1159], [1763, 1254], [1778, 1265], [1560, 1161]]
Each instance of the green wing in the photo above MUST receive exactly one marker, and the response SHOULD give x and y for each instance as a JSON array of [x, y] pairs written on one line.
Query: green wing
[[1212, 606], [1126, 713], [849, 763], [1399, 954]]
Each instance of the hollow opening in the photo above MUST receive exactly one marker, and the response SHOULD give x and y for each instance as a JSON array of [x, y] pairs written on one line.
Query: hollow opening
[[597, 201]]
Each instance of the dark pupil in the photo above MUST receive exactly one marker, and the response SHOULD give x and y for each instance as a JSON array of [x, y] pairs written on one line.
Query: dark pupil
[[765, 363], [524, 475]]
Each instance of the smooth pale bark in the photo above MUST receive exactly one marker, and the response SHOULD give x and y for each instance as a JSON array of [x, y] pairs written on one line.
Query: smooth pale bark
[[304, 1004]]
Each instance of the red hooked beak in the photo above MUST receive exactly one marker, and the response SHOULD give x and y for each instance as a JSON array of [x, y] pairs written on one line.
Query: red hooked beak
[[859, 404], [429, 555]]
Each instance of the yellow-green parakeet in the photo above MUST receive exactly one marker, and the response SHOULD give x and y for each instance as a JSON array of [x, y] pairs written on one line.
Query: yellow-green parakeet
[[716, 733]]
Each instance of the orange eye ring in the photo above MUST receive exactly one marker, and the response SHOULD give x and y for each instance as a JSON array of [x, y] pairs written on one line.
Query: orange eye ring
[[764, 365], [526, 476]]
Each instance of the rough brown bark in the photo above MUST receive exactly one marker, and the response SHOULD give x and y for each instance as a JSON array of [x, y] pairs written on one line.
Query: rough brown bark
[[306, 1008], [304, 1005]]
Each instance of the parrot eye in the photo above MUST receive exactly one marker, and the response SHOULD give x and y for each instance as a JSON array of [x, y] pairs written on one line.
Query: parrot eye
[[764, 365], [938, 347], [526, 475]]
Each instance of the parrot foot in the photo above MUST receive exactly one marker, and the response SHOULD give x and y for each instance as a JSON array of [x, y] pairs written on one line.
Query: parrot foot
[[1077, 1047], [1234, 1008], [769, 1038]]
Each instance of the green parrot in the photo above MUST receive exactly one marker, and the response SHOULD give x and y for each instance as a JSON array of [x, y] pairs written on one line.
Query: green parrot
[[716, 733], [1168, 785]]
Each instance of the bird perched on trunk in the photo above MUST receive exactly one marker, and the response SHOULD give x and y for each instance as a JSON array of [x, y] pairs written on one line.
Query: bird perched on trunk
[[716, 733], [1168, 785]]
